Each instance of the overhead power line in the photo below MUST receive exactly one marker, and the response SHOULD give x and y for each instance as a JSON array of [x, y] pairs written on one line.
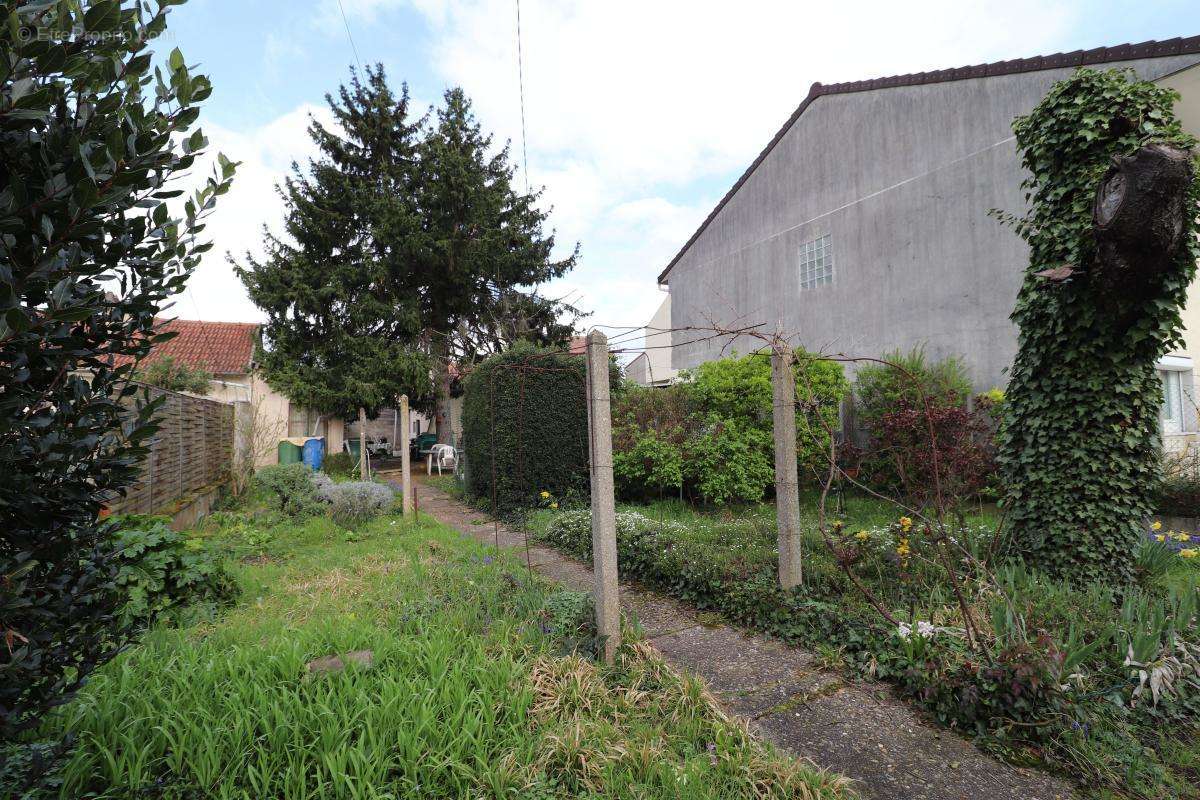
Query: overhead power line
[[349, 35], [521, 82]]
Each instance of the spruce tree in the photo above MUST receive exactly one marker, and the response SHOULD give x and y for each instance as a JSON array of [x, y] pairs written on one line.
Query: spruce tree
[[342, 322], [483, 249]]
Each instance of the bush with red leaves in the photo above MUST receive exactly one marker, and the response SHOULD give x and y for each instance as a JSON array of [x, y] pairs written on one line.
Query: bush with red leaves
[[939, 452]]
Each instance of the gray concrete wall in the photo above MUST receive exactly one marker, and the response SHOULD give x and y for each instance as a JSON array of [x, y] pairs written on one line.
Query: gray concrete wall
[[902, 180]]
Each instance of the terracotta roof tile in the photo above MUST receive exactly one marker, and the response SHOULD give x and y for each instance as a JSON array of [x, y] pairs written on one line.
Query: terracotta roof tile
[[218, 347]]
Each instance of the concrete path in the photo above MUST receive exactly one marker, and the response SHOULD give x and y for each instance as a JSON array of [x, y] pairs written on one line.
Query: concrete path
[[857, 729]]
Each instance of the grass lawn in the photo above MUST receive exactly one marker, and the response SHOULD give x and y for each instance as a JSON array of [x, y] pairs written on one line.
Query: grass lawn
[[477, 689], [1053, 689]]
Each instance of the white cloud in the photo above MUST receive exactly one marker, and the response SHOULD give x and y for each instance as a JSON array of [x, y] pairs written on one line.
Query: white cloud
[[266, 155]]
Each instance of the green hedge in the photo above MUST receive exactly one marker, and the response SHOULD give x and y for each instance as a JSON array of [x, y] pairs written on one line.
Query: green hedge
[[541, 429]]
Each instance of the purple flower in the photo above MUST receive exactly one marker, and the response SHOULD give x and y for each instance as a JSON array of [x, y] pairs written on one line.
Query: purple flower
[[487, 560]]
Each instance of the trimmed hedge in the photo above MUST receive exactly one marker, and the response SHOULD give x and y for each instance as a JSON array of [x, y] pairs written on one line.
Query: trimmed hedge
[[536, 401]]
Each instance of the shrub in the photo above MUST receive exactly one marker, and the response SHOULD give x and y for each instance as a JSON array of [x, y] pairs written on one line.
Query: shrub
[[162, 571], [1179, 491], [323, 486], [294, 488], [651, 465], [905, 379], [731, 460], [650, 429], [356, 502], [96, 138], [738, 390], [167, 373], [949, 467], [526, 408], [339, 465], [896, 404]]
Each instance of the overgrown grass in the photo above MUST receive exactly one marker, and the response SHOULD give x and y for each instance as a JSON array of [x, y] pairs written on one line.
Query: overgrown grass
[[1053, 688], [475, 690], [446, 483]]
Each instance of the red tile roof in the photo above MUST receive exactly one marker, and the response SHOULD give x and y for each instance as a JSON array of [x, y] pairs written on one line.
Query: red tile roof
[[1077, 58], [221, 348], [578, 345]]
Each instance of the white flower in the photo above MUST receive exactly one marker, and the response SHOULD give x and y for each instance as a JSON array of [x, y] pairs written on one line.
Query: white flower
[[923, 629]]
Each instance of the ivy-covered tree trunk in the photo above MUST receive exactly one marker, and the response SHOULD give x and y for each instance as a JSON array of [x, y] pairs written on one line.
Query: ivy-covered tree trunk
[[1113, 205]]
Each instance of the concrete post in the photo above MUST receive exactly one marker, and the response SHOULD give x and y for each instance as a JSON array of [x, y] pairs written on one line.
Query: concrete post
[[363, 472], [405, 465], [787, 491], [604, 517]]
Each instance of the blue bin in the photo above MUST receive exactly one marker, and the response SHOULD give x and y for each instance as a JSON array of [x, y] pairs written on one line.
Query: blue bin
[[314, 453]]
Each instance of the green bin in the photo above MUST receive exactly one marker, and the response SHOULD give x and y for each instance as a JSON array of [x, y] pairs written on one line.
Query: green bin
[[290, 453], [355, 448]]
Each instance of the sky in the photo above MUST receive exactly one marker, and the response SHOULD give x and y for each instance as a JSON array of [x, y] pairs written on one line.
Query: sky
[[639, 116]]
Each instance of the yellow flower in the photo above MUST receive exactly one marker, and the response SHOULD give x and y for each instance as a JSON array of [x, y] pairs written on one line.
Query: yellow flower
[[554, 505], [545, 495], [862, 536], [1182, 537], [1189, 552], [1160, 538], [1156, 525], [905, 524]]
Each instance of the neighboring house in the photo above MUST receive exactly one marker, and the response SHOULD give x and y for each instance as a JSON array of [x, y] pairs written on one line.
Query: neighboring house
[[226, 350], [864, 224], [652, 367]]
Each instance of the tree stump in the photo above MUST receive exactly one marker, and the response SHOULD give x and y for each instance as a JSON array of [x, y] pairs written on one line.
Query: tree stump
[[1138, 217]]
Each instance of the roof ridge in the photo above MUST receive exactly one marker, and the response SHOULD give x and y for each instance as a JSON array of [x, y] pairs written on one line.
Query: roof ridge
[[1076, 58]]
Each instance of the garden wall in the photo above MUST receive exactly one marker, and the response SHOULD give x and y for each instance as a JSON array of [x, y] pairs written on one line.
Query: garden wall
[[190, 455]]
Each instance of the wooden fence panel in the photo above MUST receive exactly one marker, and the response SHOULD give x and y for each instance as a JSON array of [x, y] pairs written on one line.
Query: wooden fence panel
[[191, 452]]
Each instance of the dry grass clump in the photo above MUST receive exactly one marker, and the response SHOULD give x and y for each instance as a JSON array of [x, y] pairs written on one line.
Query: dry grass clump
[[641, 724]]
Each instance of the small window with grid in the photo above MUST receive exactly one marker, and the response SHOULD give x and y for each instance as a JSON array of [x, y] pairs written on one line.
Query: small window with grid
[[816, 263]]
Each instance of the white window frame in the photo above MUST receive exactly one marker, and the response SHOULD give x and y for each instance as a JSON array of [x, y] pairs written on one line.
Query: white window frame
[[1176, 416], [816, 263]]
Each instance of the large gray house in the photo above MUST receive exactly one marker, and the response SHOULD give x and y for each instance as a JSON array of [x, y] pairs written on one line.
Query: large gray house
[[864, 224]]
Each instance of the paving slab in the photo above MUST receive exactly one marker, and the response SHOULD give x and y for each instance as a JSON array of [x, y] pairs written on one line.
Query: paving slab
[[657, 615], [893, 753], [783, 694]]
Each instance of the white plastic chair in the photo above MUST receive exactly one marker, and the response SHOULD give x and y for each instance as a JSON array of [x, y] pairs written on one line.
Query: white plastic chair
[[443, 455]]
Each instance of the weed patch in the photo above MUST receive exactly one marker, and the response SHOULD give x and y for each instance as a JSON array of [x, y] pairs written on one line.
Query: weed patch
[[479, 686]]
